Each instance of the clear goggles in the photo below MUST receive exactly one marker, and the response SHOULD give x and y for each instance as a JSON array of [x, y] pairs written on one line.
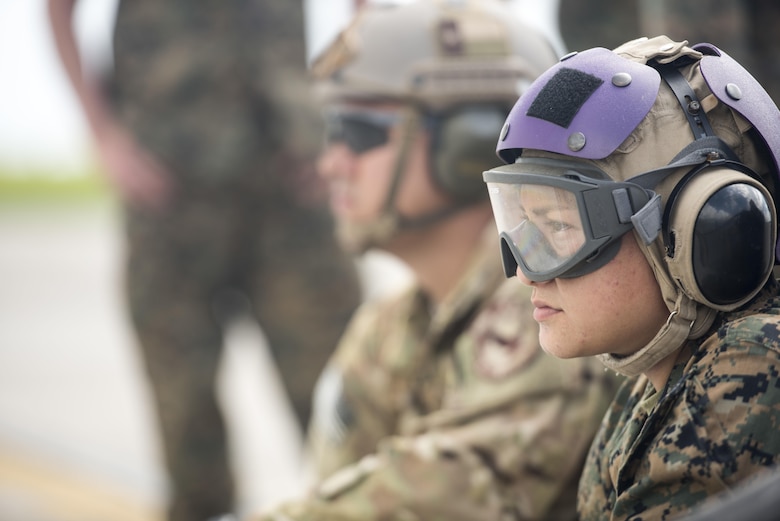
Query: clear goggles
[[563, 218]]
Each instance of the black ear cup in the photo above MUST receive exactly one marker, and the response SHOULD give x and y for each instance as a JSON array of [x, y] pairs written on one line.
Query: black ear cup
[[720, 237], [464, 146], [733, 244], [720, 222]]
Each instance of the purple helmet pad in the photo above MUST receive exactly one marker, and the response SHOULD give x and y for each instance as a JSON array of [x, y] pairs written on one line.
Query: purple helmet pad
[[720, 70], [606, 118]]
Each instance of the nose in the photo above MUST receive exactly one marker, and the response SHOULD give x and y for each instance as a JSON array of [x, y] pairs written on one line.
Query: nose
[[521, 276], [335, 159]]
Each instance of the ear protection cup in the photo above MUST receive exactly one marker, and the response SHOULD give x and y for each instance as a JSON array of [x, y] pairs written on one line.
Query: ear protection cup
[[464, 146], [720, 236], [720, 222]]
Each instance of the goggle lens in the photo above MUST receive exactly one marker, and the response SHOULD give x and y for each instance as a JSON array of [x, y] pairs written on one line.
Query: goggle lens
[[550, 230], [560, 218]]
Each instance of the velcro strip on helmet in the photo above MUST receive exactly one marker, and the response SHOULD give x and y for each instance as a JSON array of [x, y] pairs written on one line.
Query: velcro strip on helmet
[[563, 96]]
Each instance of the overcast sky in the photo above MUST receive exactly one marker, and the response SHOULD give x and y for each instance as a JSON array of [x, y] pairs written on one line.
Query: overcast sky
[[40, 123]]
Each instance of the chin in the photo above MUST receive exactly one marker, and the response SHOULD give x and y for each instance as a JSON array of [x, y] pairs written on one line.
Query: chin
[[563, 355], [557, 349]]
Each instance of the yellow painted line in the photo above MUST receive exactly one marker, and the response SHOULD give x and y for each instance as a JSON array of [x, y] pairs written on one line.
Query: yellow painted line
[[33, 489]]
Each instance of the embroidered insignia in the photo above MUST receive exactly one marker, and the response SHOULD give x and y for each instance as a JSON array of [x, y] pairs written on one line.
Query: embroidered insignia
[[502, 347]]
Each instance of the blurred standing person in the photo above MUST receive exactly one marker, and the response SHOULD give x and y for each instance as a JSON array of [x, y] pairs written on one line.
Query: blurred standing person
[[205, 131], [438, 403], [747, 28]]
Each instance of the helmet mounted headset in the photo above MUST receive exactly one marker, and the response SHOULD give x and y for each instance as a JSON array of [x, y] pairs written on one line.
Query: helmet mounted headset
[[705, 220], [606, 208], [454, 68]]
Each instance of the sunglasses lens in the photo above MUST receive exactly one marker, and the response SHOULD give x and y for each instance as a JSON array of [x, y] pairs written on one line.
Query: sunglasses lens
[[360, 131]]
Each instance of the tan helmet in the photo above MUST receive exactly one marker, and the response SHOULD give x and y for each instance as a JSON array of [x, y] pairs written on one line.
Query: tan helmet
[[434, 53], [458, 63]]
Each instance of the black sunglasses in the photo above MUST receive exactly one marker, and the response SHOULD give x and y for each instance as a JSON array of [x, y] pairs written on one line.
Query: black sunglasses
[[359, 129]]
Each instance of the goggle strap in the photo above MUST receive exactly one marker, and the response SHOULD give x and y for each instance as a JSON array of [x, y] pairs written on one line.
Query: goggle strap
[[622, 205], [695, 153], [647, 221], [652, 178]]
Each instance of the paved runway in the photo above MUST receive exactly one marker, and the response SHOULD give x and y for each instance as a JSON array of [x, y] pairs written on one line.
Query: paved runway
[[77, 438]]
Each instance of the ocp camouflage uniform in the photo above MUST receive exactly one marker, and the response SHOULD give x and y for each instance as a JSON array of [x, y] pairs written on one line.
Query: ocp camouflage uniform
[[713, 425], [217, 91], [453, 413]]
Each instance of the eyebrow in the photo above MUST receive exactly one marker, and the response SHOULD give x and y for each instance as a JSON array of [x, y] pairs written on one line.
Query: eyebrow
[[542, 211], [539, 212]]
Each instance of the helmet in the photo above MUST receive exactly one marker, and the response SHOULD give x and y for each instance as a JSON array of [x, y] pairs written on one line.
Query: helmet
[[679, 144], [457, 65], [434, 54]]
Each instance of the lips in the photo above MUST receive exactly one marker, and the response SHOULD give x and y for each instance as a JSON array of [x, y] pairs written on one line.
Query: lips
[[543, 311]]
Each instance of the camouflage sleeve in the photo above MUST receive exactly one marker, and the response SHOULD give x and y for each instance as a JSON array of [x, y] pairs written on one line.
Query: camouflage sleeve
[[596, 495], [508, 442], [714, 428], [358, 395], [511, 461]]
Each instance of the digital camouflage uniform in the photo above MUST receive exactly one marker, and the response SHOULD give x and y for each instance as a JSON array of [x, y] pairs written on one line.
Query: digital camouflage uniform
[[208, 88], [713, 425], [456, 413]]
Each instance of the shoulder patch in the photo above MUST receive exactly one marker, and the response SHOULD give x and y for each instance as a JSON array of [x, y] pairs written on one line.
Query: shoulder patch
[[503, 344]]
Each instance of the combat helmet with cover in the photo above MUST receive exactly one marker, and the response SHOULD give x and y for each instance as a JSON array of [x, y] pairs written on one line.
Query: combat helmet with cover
[[457, 66], [677, 143]]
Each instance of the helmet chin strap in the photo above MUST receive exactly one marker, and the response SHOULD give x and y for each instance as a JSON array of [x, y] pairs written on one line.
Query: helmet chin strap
[[358, 238], [412, 122], [669, 339], [410, 126]]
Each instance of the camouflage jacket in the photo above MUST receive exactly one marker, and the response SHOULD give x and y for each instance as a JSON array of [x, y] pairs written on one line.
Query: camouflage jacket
[[713, 425], [452, 414]]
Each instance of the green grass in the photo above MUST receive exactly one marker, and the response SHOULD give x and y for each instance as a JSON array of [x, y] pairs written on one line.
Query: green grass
[[31, 186]]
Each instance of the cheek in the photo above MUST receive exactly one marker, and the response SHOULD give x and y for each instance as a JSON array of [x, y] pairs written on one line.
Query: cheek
[[371, 182], [645, 308], [617, 309], [596, 311], [633, 309]]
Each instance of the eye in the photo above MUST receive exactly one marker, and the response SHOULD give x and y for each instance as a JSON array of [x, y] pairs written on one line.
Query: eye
[[559, 226], [556, 226]]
